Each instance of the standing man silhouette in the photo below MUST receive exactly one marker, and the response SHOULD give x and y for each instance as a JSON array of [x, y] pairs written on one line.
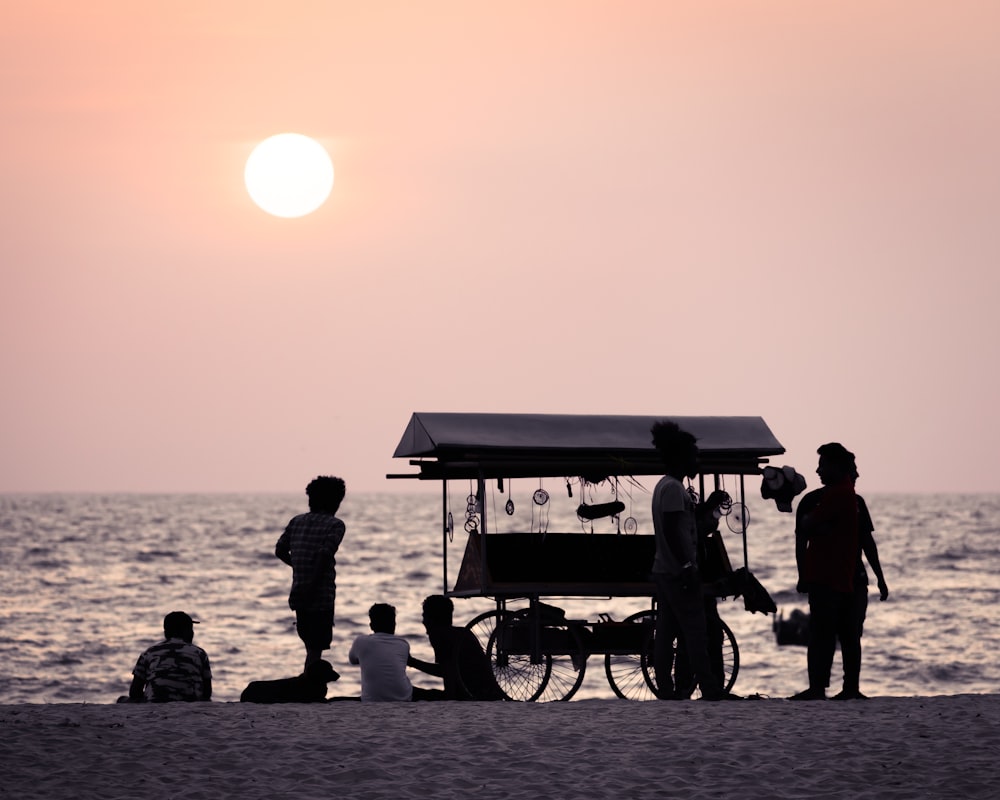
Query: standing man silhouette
[[680, 607], [827, 549], [309, 546]]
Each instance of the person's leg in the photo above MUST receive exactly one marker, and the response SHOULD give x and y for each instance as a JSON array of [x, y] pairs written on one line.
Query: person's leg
[[822, 638], [313, 654], [689, 608], [713, 630], [849, 624], [663, 641], [315, 629], [424, 695]]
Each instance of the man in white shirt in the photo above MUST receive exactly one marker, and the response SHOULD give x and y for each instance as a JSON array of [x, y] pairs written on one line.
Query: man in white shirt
[[382, 656]]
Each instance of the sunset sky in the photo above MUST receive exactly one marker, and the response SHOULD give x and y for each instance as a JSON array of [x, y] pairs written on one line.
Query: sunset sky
[[785, 209]]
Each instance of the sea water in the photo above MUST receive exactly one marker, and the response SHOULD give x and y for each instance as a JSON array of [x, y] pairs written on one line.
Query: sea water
[[86, 579]]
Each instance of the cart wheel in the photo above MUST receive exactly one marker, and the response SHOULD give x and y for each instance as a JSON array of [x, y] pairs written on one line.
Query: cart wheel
[[630, 675], [537, 661], [483, 626], [730, 665]]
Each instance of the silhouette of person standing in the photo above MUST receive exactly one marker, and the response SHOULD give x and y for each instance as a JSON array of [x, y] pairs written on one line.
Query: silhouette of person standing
[[309, 546], [680, 606], [827, 547]]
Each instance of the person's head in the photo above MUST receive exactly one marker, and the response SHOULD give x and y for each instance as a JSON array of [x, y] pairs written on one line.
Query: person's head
[[836, 463], [178, 625], [438, 611], [382, 618], [677, 448], [325, 494]]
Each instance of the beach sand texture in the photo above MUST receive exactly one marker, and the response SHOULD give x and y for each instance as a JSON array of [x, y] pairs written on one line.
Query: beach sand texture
[[891, 747]]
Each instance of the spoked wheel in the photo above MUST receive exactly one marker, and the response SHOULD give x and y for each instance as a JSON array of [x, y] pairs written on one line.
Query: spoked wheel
[[725, 656], [536, 659], [483, 626], [627, 672]]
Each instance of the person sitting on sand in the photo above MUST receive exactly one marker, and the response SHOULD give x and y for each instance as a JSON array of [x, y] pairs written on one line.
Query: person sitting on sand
[[174, 669], [309, 687], [382, 656], [459, 658]]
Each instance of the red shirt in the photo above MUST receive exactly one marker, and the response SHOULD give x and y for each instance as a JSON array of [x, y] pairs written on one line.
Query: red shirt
[[832, 533]]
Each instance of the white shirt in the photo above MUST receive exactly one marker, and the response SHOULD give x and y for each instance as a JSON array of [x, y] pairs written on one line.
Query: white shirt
[[382, 657]]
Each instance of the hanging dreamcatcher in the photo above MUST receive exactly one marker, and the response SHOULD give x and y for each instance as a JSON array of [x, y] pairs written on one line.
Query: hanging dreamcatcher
[[540, 509]]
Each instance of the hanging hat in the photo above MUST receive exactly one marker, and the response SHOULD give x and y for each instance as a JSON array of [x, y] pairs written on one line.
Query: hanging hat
[[781, 485]]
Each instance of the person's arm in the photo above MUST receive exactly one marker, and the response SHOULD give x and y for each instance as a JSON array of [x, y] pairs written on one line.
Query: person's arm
[[282, 549], [136, 690], [806, 504], [352, 656], [870, 549], [206, 677], [425, 666], [681, 548]]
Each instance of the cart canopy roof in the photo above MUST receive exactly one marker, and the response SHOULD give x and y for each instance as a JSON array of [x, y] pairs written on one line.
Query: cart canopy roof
[[594, 446]]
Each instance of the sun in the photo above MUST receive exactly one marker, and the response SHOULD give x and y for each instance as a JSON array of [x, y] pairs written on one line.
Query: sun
[[289, 175]]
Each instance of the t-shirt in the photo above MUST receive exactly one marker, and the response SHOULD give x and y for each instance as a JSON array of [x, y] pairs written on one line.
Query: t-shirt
[[382, 657], [831, 555], [671, 496], [310, 543], [174, 670]]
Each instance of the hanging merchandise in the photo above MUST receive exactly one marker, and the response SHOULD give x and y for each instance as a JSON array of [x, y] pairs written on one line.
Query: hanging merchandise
[[738, 518], [540, 510], [472, 509]]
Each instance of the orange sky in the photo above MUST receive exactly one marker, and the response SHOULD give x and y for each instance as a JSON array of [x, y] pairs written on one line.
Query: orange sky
[[571, 207]]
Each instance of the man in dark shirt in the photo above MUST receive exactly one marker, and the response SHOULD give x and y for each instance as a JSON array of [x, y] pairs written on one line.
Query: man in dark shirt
[[867, 549], [458, 657], [826, 553]]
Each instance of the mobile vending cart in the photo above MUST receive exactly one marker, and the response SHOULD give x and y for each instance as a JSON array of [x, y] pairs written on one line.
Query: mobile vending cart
[[536, 651]]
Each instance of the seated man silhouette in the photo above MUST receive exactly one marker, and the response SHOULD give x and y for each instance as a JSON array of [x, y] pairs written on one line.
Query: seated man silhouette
[[382, 657], [174, 669], [458, 657]]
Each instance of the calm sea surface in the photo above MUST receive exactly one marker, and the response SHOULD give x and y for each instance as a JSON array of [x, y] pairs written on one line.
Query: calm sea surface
[[86, 579]]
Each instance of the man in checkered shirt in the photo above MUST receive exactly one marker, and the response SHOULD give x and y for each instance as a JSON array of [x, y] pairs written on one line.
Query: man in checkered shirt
[[309, 546]]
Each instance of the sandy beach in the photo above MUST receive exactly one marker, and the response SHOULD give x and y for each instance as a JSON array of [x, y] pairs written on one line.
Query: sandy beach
[[891, 747]]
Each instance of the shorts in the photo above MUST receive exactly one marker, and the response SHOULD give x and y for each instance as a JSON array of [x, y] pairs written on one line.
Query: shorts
[[315, 628]]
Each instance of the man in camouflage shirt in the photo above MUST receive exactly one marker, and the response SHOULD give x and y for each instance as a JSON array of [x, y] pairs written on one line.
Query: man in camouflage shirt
[[309, 546], [174, 669]]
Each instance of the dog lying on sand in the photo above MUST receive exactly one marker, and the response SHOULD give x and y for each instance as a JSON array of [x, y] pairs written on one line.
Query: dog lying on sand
[[309, 687]]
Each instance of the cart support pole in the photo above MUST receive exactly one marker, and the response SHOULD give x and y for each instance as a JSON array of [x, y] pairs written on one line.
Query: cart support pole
[[743, 521], [444, 534], [481, 501]]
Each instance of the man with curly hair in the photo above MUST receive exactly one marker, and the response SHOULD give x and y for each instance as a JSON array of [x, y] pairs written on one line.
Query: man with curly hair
[[309, 546], [680, 607]]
